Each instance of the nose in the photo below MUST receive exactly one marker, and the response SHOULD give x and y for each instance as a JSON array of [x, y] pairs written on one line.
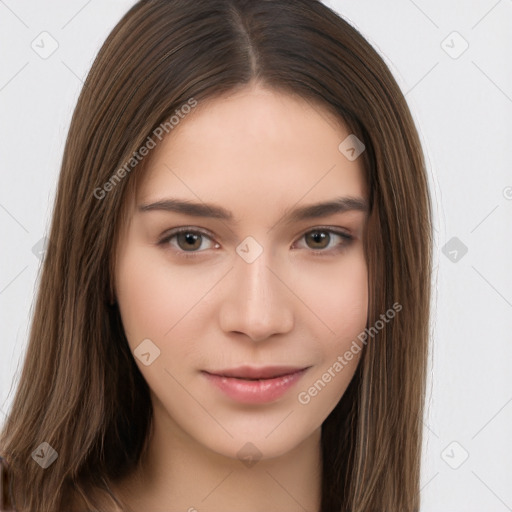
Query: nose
[[258, 302]]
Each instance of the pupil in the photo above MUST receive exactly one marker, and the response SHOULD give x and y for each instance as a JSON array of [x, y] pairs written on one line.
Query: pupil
[[318, 236], [190, 238]]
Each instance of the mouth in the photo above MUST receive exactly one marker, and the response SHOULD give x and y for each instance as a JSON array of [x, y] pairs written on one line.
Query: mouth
[[253, 373], [255, 385]]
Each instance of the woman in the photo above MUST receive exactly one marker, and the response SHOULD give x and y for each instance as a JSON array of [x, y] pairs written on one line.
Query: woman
[[233, 310]]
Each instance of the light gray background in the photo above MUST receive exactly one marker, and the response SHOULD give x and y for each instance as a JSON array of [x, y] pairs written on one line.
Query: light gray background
[[462, 103]]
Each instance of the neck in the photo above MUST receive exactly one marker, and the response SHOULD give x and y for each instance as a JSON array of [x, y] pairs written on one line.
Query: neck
[[178, 473]]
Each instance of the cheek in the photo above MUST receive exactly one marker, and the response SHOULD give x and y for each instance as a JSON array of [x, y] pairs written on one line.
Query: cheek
[[341, 306], [165, 304], [338, 295], [140, 297], [152, 298]]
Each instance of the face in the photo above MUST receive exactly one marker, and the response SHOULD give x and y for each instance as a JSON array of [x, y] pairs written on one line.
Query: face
[[246, 290]]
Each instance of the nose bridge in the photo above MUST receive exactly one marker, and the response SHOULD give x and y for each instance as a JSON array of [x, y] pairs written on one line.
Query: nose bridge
[[255, 280], [260, 305]]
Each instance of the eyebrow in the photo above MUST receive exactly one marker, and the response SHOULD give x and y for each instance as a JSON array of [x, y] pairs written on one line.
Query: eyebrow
[[312, 211]]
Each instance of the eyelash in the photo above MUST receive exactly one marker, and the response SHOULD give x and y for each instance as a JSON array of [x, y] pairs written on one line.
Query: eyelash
[[347, 239]]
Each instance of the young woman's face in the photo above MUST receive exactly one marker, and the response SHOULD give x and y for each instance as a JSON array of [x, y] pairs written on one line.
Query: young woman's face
[[247, 285]]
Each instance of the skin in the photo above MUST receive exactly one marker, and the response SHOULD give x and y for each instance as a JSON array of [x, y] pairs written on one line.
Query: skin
[[255, 153]]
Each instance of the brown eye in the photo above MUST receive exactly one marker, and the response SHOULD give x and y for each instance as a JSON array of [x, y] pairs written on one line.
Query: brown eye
[[187, 240], [323, 240], [319, 239]]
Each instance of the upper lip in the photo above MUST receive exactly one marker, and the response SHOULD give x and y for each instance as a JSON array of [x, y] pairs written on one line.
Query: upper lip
[[252, 372]]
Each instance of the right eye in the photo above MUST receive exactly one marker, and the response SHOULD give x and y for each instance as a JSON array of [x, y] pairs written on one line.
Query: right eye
[[186, 238]]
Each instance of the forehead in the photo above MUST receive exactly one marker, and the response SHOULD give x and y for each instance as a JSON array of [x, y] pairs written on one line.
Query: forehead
[[251, 151]]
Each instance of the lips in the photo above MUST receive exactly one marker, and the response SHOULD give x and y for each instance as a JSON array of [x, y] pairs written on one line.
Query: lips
[[251, 385], [252, 373]]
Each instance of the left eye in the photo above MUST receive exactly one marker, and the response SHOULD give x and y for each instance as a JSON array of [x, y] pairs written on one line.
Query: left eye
[[190, 240], [321, 238]]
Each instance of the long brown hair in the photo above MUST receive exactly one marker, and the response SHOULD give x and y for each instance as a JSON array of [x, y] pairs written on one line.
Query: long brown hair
[[80, 390]]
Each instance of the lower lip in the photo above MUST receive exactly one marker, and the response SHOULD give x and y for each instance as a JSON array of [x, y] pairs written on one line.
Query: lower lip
[[255, 391]]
